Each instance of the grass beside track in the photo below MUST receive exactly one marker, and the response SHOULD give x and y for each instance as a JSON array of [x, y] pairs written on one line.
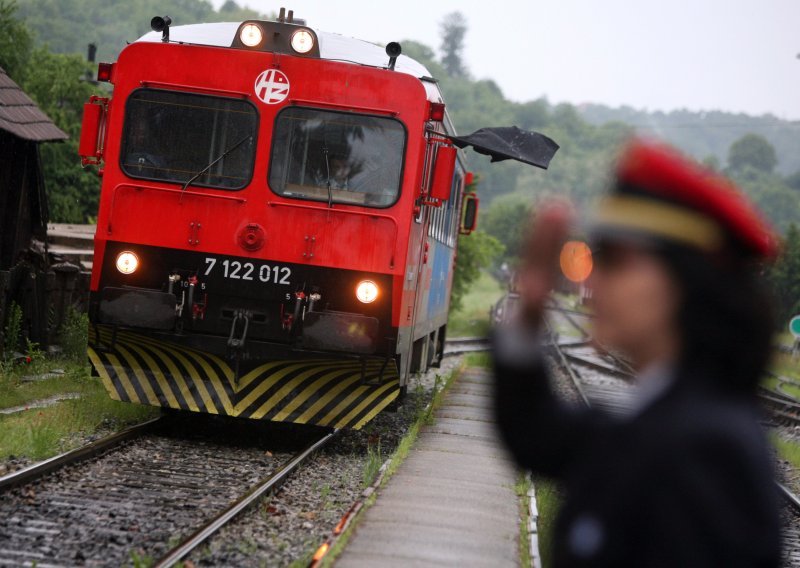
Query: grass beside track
[[521, 488], [787, 450], [472, 320], [39, 433], [548, 501], [785, 365]]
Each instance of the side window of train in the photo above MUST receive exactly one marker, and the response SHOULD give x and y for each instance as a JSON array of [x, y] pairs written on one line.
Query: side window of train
[[173, 136], [450, 223], [442, 226], [427, 173]]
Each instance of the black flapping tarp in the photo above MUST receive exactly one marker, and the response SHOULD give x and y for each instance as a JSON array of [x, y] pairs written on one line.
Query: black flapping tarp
[[510, 143]]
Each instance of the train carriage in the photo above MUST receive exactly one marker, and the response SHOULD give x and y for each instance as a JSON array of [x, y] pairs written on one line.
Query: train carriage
[[277, 226]]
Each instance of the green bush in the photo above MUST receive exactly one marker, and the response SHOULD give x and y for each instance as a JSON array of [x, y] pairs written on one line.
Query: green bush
[[12, 331], [75, 335]]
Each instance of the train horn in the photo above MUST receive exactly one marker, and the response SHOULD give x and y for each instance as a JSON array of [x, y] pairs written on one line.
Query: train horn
[[393, 50], [159, 24]]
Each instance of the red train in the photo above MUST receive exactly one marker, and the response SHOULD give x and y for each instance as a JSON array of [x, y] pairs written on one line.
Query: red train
[[277, 225]]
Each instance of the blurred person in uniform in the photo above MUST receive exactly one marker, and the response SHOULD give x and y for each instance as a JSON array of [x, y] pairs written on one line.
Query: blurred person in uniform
[[685, 477]]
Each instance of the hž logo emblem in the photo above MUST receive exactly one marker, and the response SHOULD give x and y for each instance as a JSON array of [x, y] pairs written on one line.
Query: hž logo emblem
[[272, 86]]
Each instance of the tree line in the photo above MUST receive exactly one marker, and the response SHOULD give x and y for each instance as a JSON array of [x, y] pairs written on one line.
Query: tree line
[[580, 170], [42, 47]]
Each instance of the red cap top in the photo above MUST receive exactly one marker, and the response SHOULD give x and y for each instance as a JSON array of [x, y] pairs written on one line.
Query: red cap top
[[657, 169]]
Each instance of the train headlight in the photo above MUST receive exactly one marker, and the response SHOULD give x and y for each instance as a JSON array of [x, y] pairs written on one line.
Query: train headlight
[[367, 291], [127, 262], [251, 35], [302, 41]]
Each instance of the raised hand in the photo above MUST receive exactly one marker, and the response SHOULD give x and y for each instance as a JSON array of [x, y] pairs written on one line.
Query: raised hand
[[539, 270]]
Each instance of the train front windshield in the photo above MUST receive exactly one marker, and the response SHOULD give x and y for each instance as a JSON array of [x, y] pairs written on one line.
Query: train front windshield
[[172, 136], [337, 157]]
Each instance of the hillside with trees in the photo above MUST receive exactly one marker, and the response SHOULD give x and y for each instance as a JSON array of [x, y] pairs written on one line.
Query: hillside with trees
[[706, 134], [43, 45], [53, 73], [67, 26]]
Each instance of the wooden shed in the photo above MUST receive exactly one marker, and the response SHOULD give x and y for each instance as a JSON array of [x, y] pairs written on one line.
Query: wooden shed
[[23, 208]]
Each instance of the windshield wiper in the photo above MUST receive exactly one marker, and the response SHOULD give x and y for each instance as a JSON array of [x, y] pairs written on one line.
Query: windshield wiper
[[192, 179], [328, 171]]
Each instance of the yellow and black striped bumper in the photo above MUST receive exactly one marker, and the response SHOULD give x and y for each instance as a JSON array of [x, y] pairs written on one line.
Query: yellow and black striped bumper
[[331, 393]]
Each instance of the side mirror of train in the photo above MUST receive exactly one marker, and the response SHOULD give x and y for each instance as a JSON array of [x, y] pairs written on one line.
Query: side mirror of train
[[90, 148], [469, 220], [442, 183]]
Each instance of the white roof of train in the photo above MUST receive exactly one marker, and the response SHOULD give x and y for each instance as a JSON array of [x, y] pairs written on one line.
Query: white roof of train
[[331, 46]]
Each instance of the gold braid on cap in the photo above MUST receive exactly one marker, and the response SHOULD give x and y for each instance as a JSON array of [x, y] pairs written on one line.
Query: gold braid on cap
[[661, 219]]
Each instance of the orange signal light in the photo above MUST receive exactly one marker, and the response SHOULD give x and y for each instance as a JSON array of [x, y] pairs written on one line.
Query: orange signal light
[[576, 261]]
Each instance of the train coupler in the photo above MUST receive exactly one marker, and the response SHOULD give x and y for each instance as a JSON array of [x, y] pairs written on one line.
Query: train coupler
[[241, 319]]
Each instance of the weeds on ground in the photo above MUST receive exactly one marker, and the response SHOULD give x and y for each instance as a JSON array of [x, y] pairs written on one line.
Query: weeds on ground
[[521, 488], [75, 335], [305, 560], [548, 502], [248, 546], [428, 417], [789, 451], [373, 464], [481, 359], [10, 337], [324, 496], [140, 560], [174, 541], [12, 331], [41, 433], [33, 355], [38, 434], [15, 391], [787, 366]]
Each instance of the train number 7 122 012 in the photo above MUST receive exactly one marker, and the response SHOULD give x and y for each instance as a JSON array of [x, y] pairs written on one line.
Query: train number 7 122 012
[[236, 270]]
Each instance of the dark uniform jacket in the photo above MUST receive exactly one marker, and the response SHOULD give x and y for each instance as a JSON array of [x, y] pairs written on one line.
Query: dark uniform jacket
[[687, 481]]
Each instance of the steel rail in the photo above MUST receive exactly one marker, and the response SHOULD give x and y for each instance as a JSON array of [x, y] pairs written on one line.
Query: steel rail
[[576, 382], [475, 339], [556, 306], [792, 499], [38, 470], [568, 315], [623, 374], [461, 345], [265, 486]]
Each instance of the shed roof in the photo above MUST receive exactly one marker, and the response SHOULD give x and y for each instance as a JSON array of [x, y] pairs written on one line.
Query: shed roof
[[20, 116]]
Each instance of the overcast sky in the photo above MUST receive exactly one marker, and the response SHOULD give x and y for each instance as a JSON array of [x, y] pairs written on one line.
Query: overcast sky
[[734, 55]]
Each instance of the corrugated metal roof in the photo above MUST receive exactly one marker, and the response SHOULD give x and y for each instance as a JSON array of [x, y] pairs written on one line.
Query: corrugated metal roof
[[20, 116]]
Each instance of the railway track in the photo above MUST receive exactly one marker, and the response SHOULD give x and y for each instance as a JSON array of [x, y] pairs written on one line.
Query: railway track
[[783, 408], [604, 381], [461, 345], [153, 492]]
